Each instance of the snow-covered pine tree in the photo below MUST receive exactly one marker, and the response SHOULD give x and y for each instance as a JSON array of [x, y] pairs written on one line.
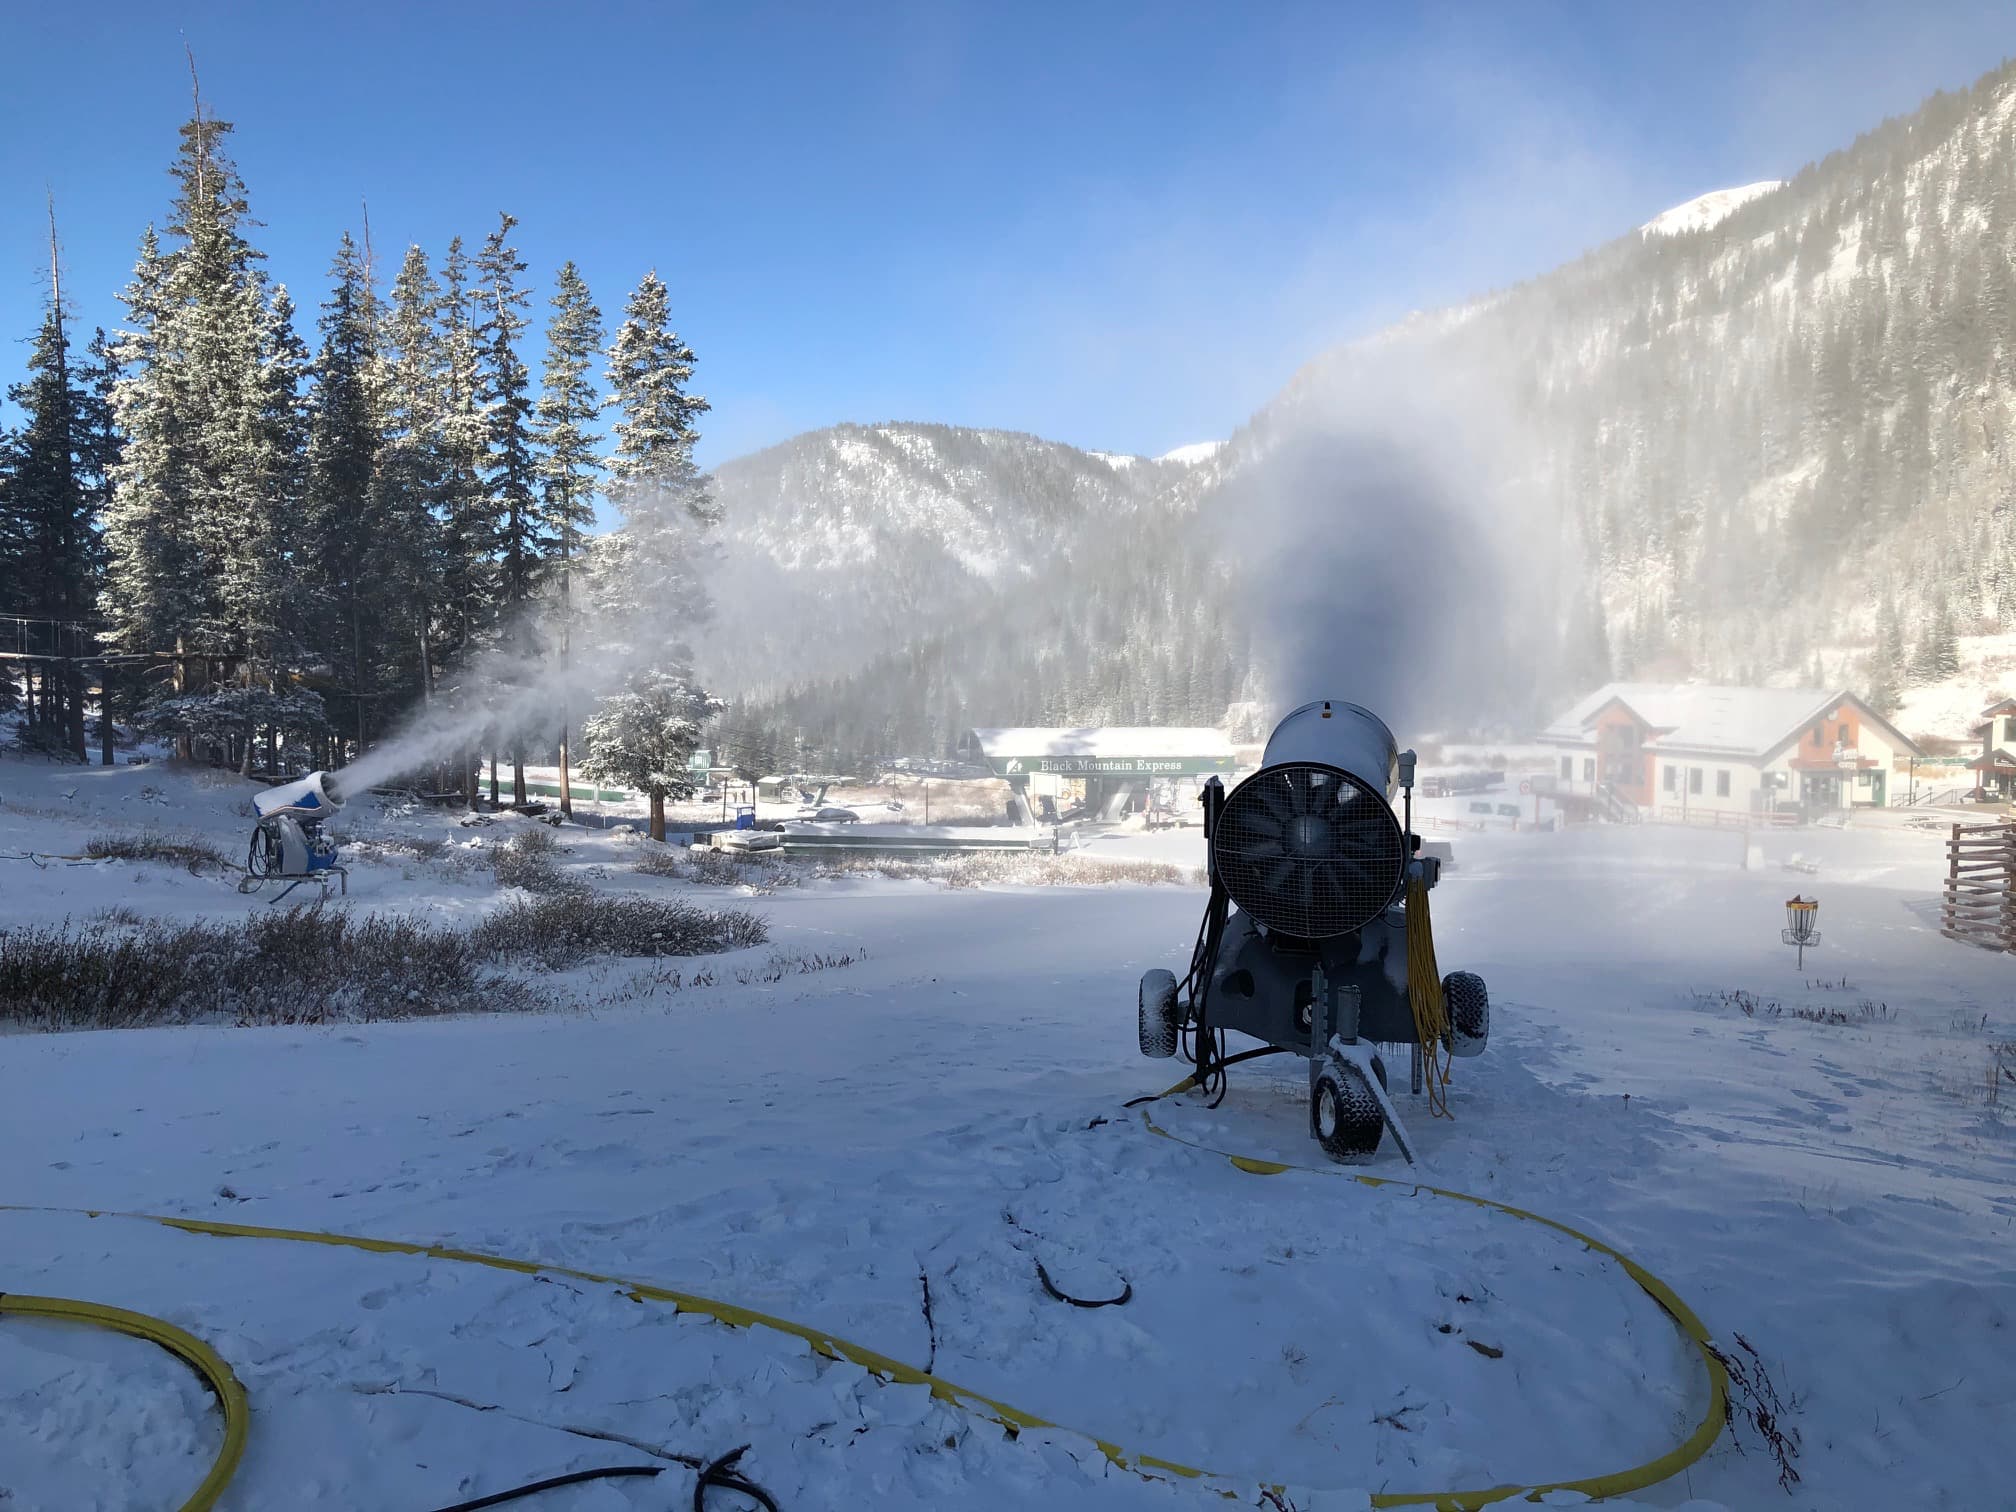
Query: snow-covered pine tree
[[469, 586], [569, 466], [343, 434], [409, 483], [186, 401], [643, 737], [512, 474], [664, 499], [48, 544]]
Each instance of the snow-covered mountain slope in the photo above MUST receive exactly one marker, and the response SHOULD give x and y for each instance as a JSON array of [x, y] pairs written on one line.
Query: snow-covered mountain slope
[[1724, 446], [1706, 210], [1195, 452], [852, 543], [1752, 438]]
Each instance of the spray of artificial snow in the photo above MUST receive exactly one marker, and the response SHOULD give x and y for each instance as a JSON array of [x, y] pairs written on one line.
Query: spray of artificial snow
[[627, 618], [1376, 535]]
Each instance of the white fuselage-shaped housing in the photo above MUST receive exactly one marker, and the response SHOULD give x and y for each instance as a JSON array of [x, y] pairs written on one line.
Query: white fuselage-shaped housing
[[1346, 736], [309, 796]]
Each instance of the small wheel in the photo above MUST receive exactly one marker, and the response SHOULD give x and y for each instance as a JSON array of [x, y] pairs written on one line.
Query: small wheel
[[1468, 1009], [1344, 1115], [1158, 1014]]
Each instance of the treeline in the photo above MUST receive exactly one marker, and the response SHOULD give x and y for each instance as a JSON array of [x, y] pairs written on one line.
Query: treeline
[[283, 553]]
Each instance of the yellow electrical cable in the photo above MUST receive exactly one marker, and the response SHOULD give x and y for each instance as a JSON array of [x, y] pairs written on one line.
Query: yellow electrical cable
[[1424, 993], [199, 1356], [833, 1347]]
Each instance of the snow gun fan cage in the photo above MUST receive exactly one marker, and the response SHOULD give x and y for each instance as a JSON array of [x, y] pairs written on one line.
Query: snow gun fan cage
[[1316, 938], [287, 843]]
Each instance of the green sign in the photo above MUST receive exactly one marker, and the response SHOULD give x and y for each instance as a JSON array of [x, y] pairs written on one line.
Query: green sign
[[699, 762], [1108, 766]]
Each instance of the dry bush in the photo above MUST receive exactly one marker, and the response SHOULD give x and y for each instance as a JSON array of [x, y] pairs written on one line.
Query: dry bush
[[530, 860], [305, 965], [1013, 868], [563, 930], [719, 868], [190, 852]]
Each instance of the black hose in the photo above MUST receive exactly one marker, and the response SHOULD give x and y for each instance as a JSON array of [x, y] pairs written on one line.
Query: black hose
[[1126, 1292], [715, 1474], [607, 1472]]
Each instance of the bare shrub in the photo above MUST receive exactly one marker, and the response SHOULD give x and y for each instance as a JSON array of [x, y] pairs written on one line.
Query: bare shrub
[[1014, 868], [561, 931], [719, 868], [190, 852], [304, 965], [531, 860]]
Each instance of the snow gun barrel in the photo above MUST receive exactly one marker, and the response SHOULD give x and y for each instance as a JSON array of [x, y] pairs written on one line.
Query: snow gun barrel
[[317, 792]]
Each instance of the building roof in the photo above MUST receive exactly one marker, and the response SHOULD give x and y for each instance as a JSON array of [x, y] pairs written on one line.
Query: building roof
[[1110, 742], [1750, 722]]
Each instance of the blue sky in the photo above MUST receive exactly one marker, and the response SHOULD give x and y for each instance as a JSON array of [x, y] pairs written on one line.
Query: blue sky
[[1122, 226]]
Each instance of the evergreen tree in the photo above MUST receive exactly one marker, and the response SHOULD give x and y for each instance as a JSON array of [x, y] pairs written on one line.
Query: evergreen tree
[[644, 737], [469, 581], [410, 482], [512, 473], [568, 465], [663, 497], [48, 543], [345, 525]]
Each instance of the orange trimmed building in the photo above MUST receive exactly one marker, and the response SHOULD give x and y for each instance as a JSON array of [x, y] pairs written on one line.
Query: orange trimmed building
[[1674, 749]]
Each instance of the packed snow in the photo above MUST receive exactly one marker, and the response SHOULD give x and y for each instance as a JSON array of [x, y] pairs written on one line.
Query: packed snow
[[1834, 1188], [1706, 210]]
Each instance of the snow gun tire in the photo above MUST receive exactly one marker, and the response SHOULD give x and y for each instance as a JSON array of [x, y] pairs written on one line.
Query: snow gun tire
[[1344, 1114], [193, 1352], [1467, 1013], [1158, 1014]]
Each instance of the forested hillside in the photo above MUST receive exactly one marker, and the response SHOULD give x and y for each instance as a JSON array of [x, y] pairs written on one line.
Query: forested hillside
[[1774, 445]]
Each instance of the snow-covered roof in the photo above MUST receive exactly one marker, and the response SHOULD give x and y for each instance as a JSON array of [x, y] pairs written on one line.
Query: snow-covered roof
[[1700, 717], [1108, 741], [1706, 210]]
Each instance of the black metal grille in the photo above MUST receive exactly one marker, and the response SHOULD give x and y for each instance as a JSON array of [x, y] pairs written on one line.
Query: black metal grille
[[1307, 851]]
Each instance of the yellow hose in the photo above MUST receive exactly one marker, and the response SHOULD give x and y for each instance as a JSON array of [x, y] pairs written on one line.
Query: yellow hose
[[1424, 993], [833, 1347], [193, 1351]]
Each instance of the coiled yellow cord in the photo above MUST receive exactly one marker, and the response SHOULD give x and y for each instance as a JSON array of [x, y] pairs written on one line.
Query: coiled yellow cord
[[1424, 993]]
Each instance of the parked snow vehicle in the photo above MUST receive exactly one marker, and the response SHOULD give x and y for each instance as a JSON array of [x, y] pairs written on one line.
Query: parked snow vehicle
[[1316, 938]]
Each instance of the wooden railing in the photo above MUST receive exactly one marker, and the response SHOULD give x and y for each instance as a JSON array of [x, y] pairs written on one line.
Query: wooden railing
[[1708, 818], [1980, 902]]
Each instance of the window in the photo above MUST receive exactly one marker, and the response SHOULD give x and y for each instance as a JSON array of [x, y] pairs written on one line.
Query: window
[[1693, 779], [1567, 767], [1847, 734], [1722, 783], [1588, 768], [1672, 779]]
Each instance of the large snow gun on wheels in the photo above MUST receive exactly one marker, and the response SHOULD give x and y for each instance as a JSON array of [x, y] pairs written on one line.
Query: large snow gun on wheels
[[288, 844], [1316, 938]]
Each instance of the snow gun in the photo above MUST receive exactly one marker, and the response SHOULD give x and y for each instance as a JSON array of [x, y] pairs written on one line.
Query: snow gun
[[287, 843], [1317, 938]]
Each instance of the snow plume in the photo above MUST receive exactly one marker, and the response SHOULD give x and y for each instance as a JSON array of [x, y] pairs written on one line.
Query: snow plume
[[1375, 535], [639, 600]]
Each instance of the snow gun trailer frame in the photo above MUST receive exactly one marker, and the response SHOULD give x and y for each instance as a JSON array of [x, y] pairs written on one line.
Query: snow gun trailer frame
[[1316, 938]]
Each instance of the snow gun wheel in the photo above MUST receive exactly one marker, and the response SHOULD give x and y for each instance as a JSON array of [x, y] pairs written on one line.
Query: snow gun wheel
[[1344, 1114], [1468, 1009], [1158, 1014]]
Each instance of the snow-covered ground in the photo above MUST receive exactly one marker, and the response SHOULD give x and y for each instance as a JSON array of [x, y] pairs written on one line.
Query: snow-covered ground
[[1706, 210], [947, 1109], [1952, 708]]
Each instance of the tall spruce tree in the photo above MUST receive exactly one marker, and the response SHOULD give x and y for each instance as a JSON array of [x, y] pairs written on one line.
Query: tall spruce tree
[[343, 431], [469, 534], [48, 543], [569, 465], [410, 482], [192, 492], [511, 478]]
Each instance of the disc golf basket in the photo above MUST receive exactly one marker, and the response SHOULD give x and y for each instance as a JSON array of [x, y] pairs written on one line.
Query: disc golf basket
[[1801, 914]]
